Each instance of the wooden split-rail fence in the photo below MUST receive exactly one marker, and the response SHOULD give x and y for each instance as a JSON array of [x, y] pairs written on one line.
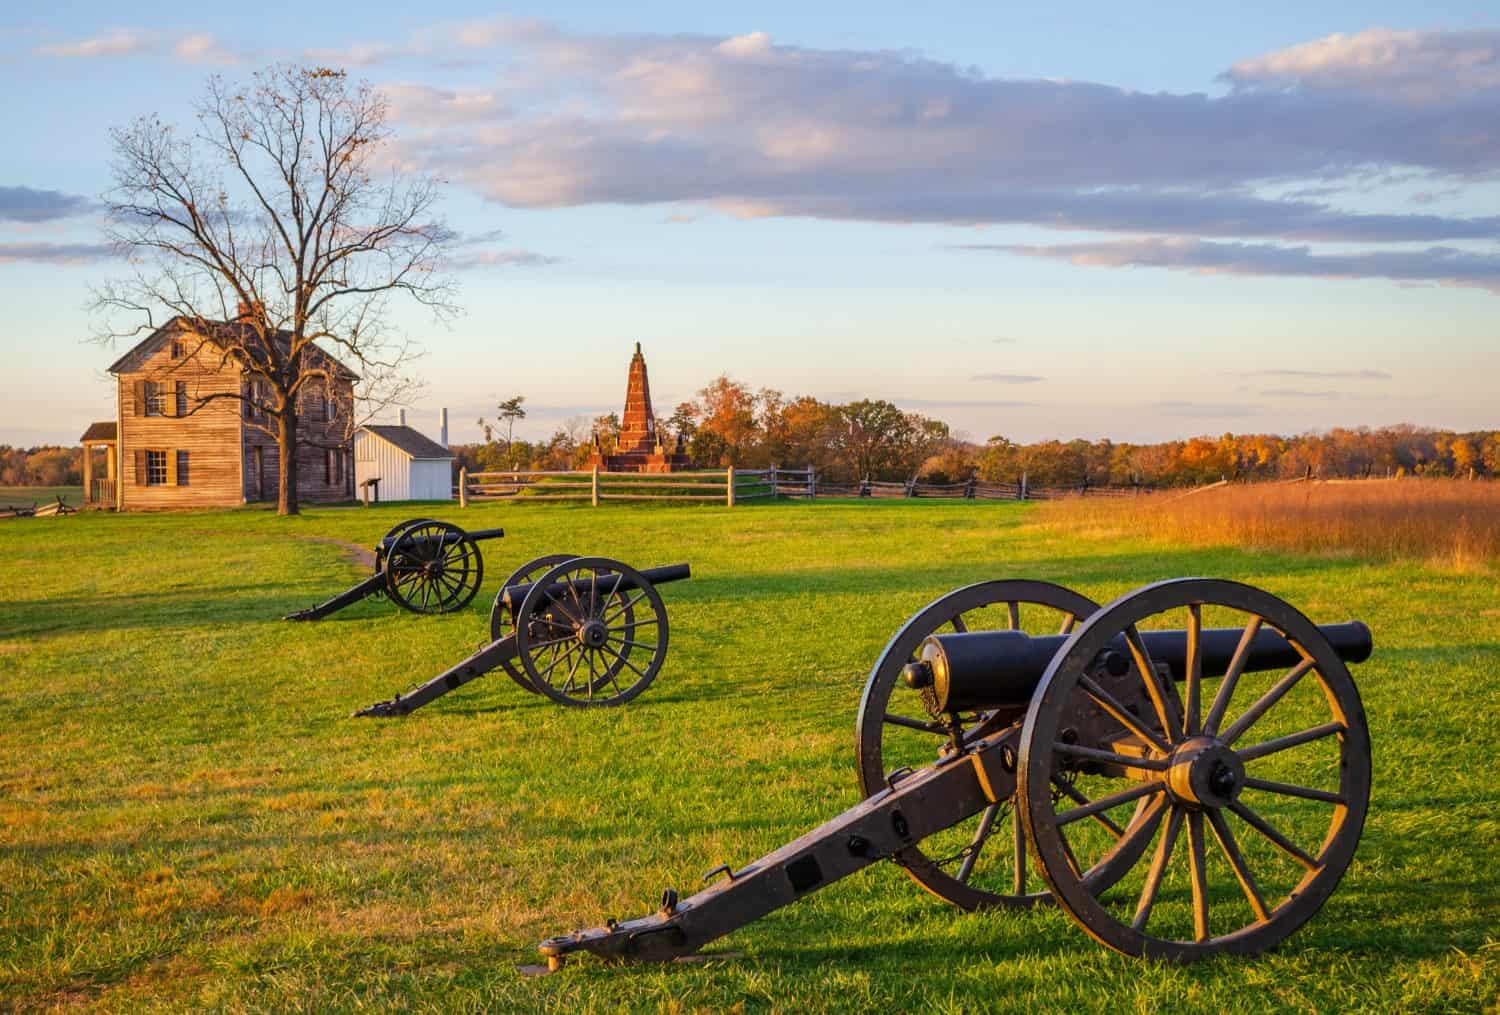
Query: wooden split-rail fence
[[732, 486]]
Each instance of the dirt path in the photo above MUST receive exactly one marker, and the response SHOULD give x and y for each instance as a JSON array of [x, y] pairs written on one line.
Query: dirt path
[[353, 552]]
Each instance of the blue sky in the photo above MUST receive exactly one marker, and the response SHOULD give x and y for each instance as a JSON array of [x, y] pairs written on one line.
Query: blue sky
[[1076, 220]]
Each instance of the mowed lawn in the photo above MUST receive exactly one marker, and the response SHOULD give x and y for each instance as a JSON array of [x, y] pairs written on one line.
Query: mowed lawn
[[189, 818]]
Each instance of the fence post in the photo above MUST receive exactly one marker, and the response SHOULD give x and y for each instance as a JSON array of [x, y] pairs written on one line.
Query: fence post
[[463, 487], [812, 484], [775, 485], [1021, 491], [594, 486], [969, 488], [729, 487]]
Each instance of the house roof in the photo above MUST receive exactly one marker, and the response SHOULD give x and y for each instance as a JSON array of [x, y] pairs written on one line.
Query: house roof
[[177, 326], [404, 438], [108, 431]]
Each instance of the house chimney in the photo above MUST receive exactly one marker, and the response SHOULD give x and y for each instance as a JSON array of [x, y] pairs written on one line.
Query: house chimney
[[402, 416], [444, 441]]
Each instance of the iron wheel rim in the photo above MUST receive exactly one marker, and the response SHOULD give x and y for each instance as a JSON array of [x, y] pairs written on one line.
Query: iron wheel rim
[[1205, 825]]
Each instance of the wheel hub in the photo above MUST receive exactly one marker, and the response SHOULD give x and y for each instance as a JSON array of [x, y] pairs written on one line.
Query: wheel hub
[[593, 633], [433, 568], [1205, 772]]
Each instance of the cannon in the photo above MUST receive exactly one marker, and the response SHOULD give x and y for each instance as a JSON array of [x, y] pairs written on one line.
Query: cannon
[[422, 565], [583, 631], [1046, 749]]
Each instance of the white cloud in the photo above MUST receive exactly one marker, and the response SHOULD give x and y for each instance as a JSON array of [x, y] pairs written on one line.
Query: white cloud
[[359, 54], [1408, 67], [755, 129], [1434, 265], [119, 42], [203, 48], [55, 253]]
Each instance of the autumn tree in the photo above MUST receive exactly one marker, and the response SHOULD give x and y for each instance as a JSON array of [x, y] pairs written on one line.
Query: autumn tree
[[271, 233]]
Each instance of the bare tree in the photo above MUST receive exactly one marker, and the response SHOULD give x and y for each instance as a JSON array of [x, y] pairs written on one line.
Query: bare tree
[[276, 234]]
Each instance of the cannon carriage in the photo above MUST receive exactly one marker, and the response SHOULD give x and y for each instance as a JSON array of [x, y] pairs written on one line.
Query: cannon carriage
[[422, 565], [1185, 771], [582, 631]]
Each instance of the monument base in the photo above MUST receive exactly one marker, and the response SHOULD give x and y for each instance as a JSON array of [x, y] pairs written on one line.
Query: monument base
[[642, 461]]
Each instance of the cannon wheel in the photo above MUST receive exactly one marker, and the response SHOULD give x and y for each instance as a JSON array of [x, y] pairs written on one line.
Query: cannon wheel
[[576, 646], [501, 624], [432, 567], [385, 542], [1292, 766], [894, 730]]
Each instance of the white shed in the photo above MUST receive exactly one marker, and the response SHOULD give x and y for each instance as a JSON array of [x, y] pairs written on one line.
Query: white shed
[[409, 465]]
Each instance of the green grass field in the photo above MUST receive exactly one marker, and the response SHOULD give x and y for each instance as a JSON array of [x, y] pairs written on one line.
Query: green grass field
[[189, 819], [40, 494]]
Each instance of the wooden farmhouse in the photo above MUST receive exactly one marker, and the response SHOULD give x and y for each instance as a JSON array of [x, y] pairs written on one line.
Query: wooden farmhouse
[[400, 463], [174, 444]]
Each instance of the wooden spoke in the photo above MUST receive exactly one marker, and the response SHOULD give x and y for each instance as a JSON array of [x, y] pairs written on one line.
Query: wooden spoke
[[1110, 758], [1158, 868], [1192, 706], [1072, 793], [1013, 615], [1121, 715], [648, 646], [1104, 803], [1265, 701], [609, 617], [1265, 828], [1287, 789], [1198, 867], [986, 825], [1154, 690], [1069, 622], [1242, 874], [1291, 740], [552, 641], [558, 605]]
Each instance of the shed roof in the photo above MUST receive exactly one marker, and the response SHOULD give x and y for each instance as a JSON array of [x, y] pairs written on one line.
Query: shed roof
[[404, 438], [107, 431]]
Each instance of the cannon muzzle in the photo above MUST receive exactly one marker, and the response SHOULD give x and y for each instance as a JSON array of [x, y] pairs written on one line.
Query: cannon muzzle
[[1000, 669]]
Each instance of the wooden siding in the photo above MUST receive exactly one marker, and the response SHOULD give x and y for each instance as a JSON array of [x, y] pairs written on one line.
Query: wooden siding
[[318, 432], [401, 476], [210, 435], [219, 444]]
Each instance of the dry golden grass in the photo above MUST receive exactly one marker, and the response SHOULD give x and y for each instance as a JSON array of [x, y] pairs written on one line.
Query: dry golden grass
[[1450, 523]]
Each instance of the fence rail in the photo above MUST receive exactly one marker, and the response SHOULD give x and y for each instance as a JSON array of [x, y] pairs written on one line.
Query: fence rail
[[732, 486]]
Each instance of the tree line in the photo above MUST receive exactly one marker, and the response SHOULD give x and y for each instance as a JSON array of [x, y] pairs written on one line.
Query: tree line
[[729, 423], [45, 465]]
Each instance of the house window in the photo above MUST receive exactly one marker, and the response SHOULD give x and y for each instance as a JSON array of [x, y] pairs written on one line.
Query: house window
[[156, 399], [317, 408], [182, 399], [177, 350], [182, 468], [258, 396], [156, 468]]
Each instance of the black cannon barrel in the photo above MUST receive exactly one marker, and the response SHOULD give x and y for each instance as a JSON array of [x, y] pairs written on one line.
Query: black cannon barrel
[[448, 538], [514, 594], [994, 669]]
